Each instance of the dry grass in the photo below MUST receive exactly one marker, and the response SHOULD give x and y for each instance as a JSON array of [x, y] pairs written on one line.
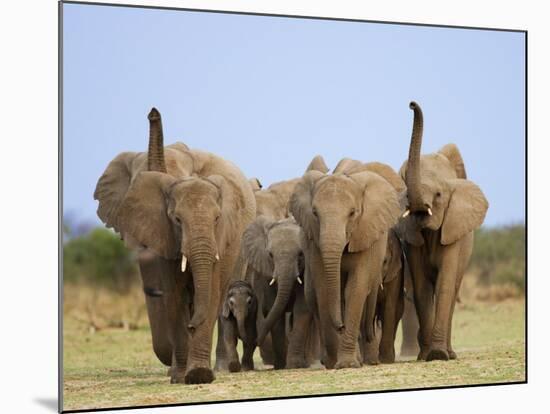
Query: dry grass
[[110, 367]]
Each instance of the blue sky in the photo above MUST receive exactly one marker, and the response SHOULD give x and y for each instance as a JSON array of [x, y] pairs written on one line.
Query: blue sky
[[269, 93]]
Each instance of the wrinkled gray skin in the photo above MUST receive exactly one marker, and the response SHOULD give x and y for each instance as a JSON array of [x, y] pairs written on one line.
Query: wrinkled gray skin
[[274, 251], [385, 308], [272, 202], [184, 212], [346, 217], [239, 322], [443, 210]]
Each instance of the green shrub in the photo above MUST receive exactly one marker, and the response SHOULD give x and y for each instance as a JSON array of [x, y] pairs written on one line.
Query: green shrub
[[100, 258], [499, 255]]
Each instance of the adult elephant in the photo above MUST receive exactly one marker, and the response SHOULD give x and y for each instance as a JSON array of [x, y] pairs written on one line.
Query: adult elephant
[[346, 219], [274, 251], [444, 209], [185, 211], [273, 201]]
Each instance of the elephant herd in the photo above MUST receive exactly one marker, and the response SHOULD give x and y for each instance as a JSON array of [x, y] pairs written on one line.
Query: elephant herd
[[315, 268]]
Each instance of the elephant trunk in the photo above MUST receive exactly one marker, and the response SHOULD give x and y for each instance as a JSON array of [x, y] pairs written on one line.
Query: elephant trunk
[[332, 245], [155, 154], [412, 177], [202, 260], [285, 283], [241, 327]]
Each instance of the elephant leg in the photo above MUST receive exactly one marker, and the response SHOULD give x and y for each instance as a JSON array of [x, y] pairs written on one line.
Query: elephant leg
[[266, 351], [450, 351], [312, 347], [355, 293], [279, 343], [302, 320], [156, 312], [370, 344], [393, 310], [177, 315], [248, 354], [222, 356], [329, 336], [409, 321], [199, 369], [444, 301], [230, 344], [423, 300]]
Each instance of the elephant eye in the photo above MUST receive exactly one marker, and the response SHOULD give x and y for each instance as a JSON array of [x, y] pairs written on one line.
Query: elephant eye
[[438, 194], [217, 218], [270, 255], [352, 212], [314, 211], [178, 220]]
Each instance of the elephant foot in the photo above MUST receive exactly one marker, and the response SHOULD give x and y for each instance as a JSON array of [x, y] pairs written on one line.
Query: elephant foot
[[177, 376], [348, 363], [387, 358], [297, 363], [437, 355], [199, 375], [452, 354], [279, 365], [422, 355], [408, 351], [221, 365], [234, 366], [248, 366]]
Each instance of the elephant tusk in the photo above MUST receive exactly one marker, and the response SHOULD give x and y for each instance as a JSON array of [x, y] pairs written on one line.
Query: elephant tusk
[[217, 256], [272, 281], [430, 211], [406, 213], [299, 280], [183, 263], [381, 286]]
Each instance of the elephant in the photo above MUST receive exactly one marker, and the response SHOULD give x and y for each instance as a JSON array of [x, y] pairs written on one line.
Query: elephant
[[274, 250], [443, 210], [273, 201], [386, 308], [346, 217], [184, 211], [239, 322]]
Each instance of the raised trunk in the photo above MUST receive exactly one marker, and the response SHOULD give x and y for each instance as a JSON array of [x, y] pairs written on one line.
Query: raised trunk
[[202, 259], [285, 283], [155, 155], [412, 178]]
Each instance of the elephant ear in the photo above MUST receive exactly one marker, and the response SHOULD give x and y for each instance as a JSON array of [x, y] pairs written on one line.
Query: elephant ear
[[230, 205], [300, 202], [225, 308], [254, 245], [111, 188], [345, 165], [142, 213], [451, 152], [466, 211], [317, 164], [379, 212]]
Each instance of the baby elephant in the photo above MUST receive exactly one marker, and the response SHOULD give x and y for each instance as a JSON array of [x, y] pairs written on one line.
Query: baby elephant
[[239, 322]]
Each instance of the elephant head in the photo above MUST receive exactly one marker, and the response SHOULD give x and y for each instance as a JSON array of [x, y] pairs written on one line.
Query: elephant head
[[275, 251], [241, 302], [343, 213], [175, 215], [438, 194]]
